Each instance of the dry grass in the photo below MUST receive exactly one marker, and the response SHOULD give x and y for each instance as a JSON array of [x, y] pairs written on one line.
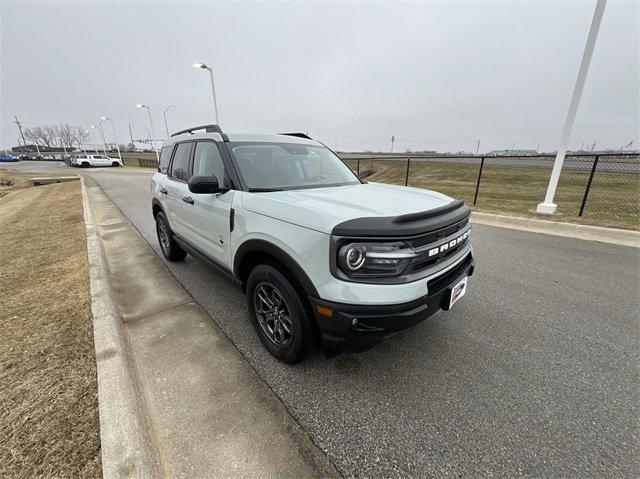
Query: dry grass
[[614, 199], [48, 401], [11, 181]]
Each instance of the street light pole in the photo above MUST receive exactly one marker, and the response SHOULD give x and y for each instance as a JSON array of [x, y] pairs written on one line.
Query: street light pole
[[164, 113], [115, 138], [548, 207], [104, 142], [213, 87], [153, 131]]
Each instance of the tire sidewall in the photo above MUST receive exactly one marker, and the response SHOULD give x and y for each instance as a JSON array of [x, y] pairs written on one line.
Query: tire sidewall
[[296, 349], [173, 252]]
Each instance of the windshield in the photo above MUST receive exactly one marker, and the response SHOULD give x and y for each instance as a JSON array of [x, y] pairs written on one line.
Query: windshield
[[287, 166]]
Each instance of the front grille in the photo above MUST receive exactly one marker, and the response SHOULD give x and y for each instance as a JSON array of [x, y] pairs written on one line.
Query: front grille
[[433, 236], [435, 285], [426, 260]]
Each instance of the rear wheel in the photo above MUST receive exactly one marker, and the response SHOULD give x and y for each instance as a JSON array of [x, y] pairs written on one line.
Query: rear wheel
[[170, 249], [278, 314], [85, 164]]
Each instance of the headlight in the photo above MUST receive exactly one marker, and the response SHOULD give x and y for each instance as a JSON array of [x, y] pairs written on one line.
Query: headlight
[[374, 259]]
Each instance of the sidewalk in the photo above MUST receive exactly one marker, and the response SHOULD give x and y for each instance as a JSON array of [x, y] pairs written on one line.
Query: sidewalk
[[176, 397]]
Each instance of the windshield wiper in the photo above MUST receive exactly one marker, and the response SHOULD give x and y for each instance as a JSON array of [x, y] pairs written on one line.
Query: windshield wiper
[[263, 190]]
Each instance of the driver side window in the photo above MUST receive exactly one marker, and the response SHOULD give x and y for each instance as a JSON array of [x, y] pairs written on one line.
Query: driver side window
[[208, 161]]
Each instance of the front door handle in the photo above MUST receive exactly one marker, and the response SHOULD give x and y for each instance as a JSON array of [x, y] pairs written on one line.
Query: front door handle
[[188, 199], [163, 191]]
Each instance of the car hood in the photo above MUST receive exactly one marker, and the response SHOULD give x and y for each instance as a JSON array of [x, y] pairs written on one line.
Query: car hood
[[323, 208]]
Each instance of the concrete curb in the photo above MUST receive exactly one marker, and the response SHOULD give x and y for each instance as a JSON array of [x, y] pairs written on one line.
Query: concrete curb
[[557, 228], [126, 446]]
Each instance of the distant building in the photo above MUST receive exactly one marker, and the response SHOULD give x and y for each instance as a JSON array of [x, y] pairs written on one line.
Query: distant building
[[513, 152]]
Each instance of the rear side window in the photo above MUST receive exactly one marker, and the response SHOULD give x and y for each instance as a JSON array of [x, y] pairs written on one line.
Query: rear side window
[[180, 165], [208, 161], [165, 157]]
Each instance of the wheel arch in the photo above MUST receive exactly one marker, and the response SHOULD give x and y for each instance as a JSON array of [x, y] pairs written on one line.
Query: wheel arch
[[156, 207], [257, 251]]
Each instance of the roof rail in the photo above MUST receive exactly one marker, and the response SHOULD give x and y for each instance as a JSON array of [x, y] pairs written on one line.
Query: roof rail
[[206, 128], [299, 135]]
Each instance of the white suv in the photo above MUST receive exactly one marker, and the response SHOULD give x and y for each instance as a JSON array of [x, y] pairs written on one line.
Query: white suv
[[321, 254], [86, 161]]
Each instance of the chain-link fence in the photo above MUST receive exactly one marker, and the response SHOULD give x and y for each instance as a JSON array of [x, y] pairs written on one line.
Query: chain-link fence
[[604, 188]]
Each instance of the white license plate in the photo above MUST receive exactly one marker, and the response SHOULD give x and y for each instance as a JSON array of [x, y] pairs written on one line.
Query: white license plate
[[458, 291]]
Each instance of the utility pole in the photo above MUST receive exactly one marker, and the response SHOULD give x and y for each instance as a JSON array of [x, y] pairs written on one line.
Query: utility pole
[[593, 146], [538, 148], [393, 139], [582, 146], [21, 134], [548, 207], [131, 136], [477, 147], [335, 142]]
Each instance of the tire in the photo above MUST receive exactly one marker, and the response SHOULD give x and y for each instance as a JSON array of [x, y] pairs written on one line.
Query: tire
[[85, 164], [289, 348], [170, 249], [115, 163]]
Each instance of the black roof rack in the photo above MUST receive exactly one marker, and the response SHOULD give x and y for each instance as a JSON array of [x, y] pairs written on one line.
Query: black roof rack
[[206, 128], [299, 135]]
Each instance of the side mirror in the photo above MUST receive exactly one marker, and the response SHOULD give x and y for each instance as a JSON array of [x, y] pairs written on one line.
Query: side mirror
[[205, 184]]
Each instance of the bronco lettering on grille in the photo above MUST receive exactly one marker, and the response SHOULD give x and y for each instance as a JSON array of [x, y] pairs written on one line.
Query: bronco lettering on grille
[[450, 244]]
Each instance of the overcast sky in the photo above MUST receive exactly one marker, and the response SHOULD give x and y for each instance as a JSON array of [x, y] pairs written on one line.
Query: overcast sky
[[436, 75]]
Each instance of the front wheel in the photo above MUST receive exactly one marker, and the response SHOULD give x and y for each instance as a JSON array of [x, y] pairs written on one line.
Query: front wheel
[[170, 249], [115, 163], [278, 314]]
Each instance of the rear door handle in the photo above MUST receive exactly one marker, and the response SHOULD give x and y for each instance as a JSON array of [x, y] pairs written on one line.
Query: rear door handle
[[188, 199], [163, 191]]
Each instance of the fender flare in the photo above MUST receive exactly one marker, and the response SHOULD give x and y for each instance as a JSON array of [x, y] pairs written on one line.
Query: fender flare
[[278, 253], [156, 202]]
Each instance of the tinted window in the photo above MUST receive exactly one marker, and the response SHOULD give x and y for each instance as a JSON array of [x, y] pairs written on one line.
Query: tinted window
[[207, 161], [165, 156], [180, 165]]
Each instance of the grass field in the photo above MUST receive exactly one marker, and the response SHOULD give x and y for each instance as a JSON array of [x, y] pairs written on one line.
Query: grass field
[[614, 199], [48, 400]]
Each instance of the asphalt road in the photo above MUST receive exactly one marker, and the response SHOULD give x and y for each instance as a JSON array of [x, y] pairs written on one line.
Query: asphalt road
[[534, 373]]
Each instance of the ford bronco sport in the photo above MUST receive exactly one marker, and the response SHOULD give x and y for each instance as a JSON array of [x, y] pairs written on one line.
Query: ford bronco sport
[[320, 253]]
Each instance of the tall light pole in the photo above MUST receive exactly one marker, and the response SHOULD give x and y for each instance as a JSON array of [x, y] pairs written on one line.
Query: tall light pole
[[114, 135], [153, 131], [80, 142], [164, 113], [548, 207], [213, 87], [104, 142]]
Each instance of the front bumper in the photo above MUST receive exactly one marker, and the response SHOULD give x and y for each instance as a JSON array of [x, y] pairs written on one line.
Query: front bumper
[[357, 328]]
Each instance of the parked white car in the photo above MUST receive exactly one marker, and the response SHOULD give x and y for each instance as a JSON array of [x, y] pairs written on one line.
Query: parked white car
[[94, 160], [321, 254]]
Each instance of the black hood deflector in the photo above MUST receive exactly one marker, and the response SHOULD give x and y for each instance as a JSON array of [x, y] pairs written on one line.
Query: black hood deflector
[[405, 225]]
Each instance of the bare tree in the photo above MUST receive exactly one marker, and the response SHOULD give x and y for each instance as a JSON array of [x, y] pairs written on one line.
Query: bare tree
[[40, 135], [66, 134], [80, 134]]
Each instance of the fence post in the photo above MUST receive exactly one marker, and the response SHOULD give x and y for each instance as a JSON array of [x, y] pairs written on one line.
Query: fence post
[[475, 197], [358, 168], [406, 176], [586, 191]]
